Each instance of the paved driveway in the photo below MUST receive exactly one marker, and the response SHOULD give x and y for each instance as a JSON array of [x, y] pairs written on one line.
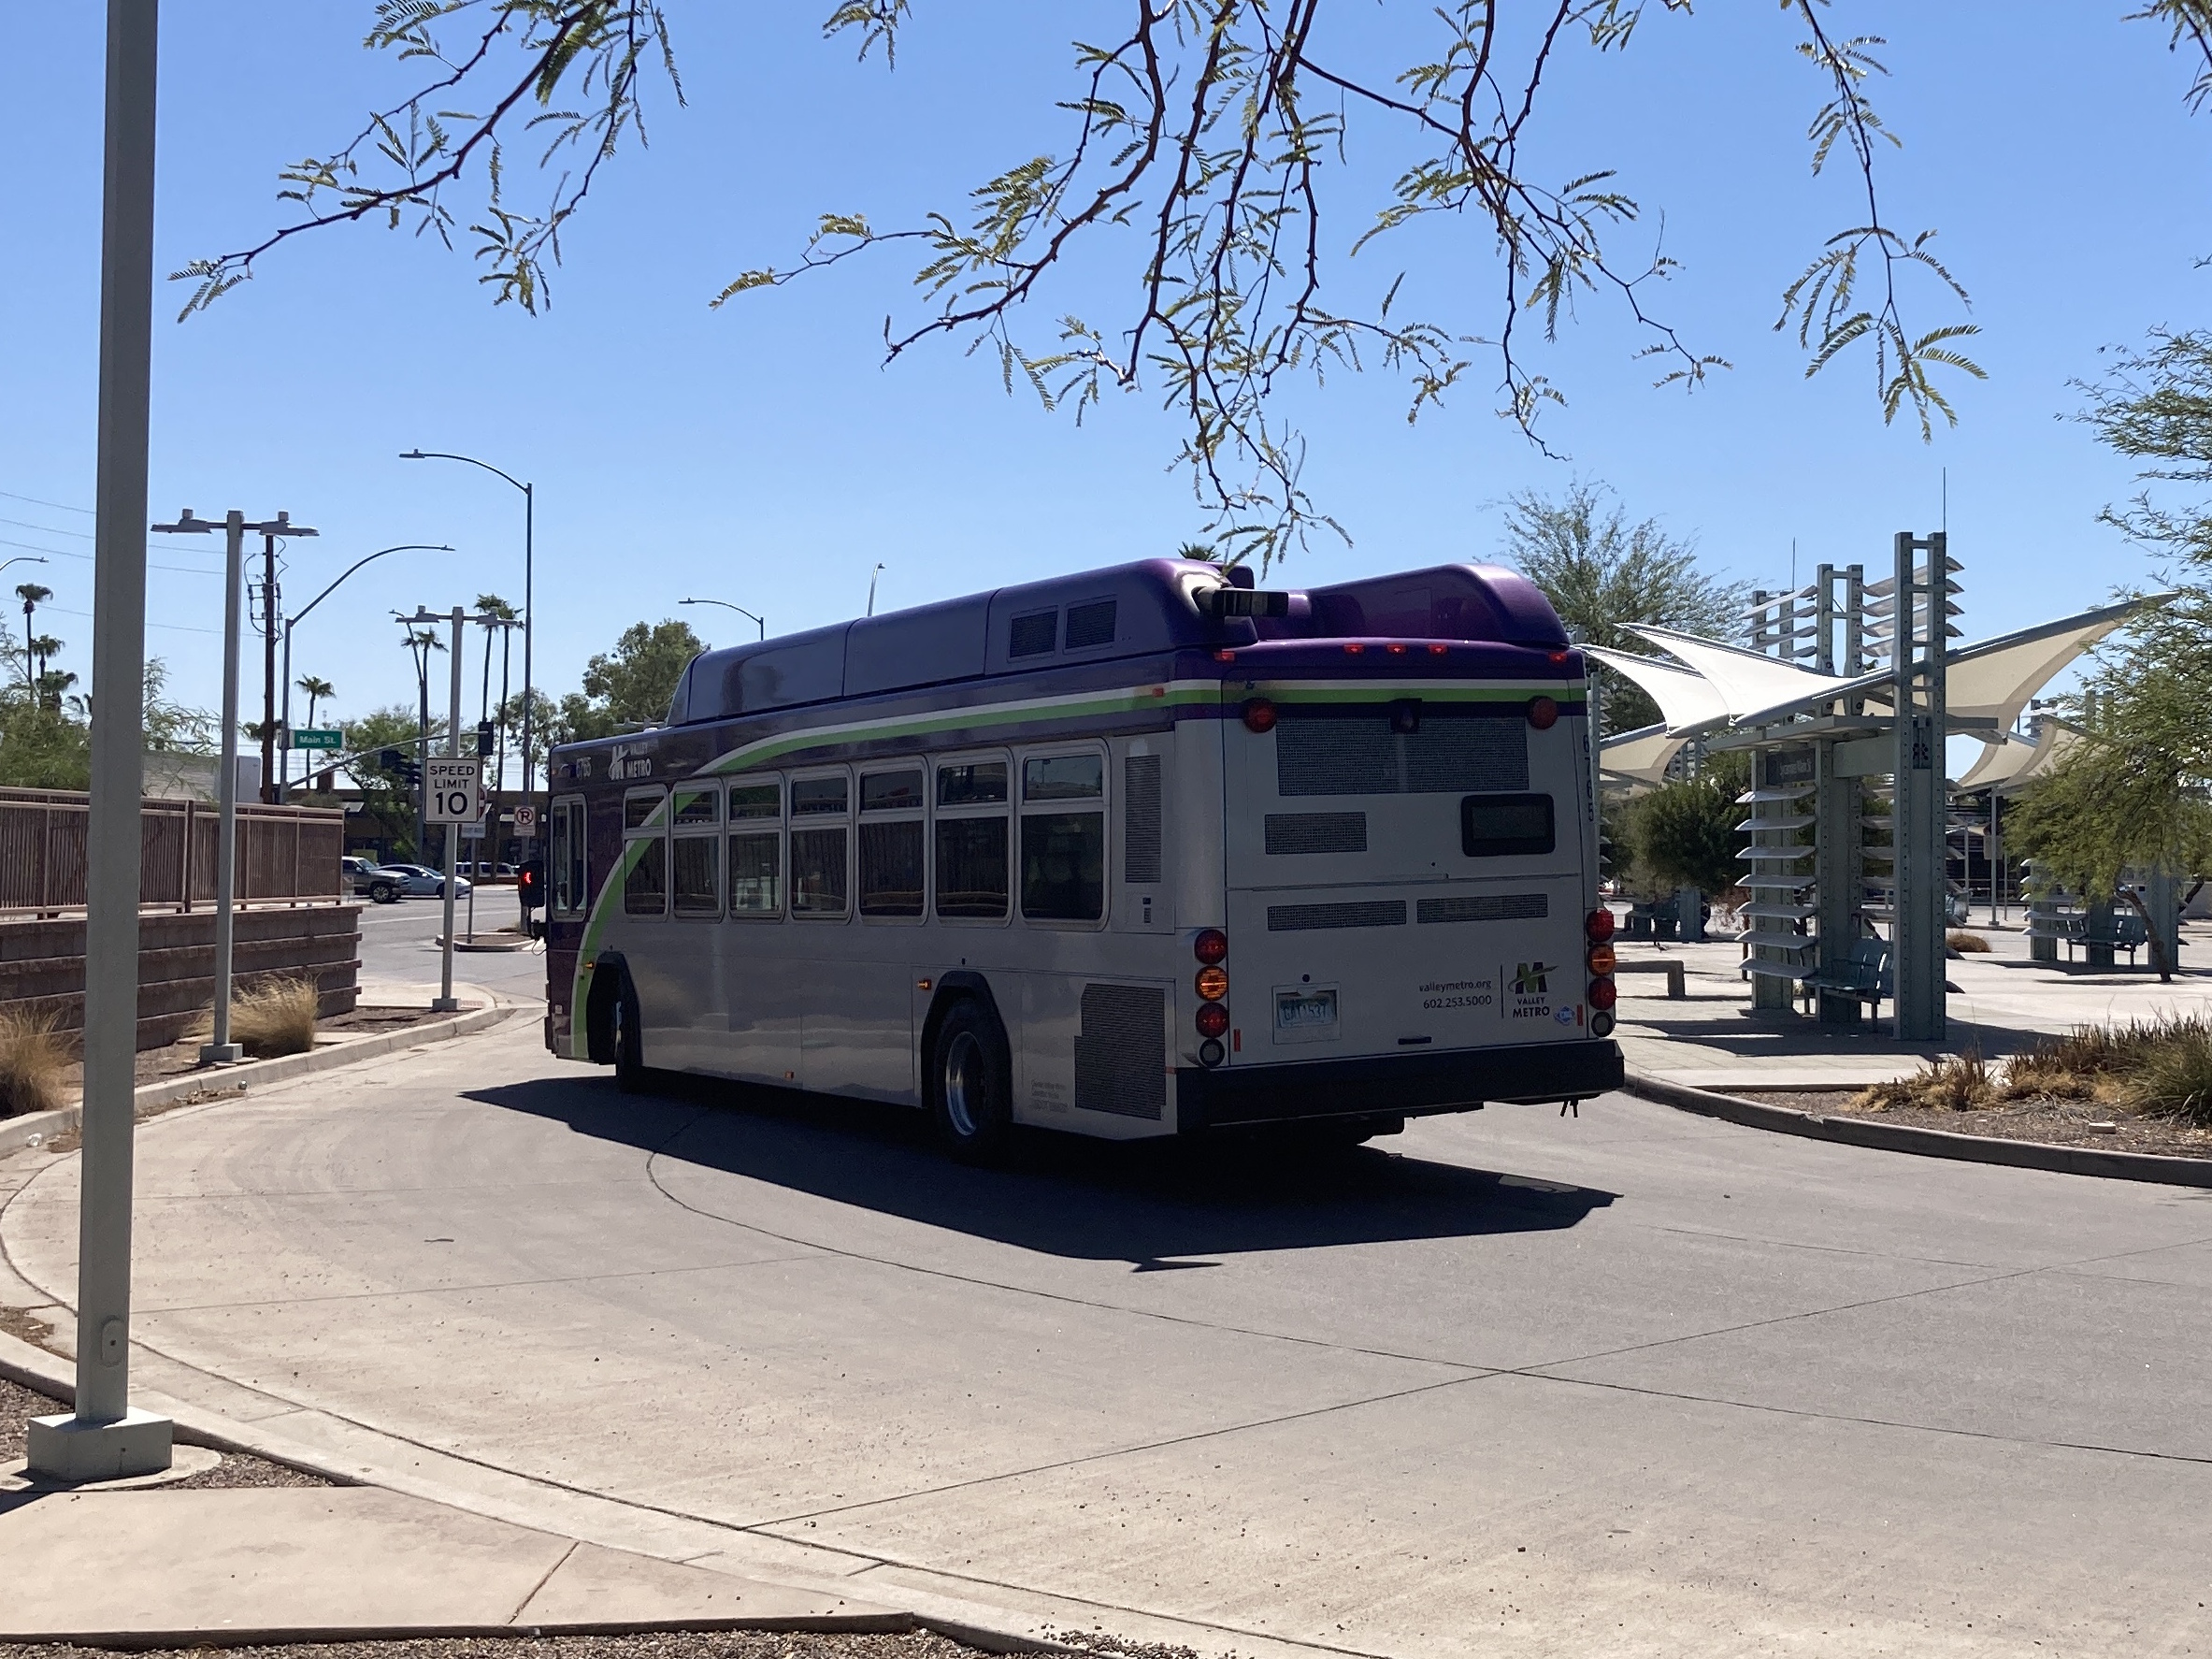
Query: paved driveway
[[1634, 1383]]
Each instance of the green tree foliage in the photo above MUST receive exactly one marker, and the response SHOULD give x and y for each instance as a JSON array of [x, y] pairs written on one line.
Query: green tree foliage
[[2134, 796], [1684, 834], [631, 685], [1602, 573], [1204, 144], [46, 738]]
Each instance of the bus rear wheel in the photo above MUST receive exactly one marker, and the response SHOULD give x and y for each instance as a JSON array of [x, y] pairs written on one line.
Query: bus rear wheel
[[629, 1040], [969, 1088]]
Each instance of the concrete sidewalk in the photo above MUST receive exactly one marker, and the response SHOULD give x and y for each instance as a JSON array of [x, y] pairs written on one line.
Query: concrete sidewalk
[[1713, 1038], [348, 1561]]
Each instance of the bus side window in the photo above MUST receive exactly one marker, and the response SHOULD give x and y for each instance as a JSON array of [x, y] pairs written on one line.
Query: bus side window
[[645, 850], [696, 853], [570, 895], [1064, 837], [971, 842], [821, 808], [891, 840], [756, 850]]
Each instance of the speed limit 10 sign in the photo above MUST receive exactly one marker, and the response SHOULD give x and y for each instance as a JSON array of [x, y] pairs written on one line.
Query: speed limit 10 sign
[[451, 791]]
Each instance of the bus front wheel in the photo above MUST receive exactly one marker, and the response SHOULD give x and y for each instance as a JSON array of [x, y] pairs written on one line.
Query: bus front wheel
[[969, 1088]]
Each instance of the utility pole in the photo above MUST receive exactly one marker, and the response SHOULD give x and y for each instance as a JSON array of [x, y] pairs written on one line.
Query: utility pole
[[220, 1049], [103, 1438], [272, 609]]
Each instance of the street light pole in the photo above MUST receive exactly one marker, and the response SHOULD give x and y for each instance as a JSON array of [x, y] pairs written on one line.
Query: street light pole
[[738, 609], [529, 596], [446, 1002], [284, 788], [103, 1438]]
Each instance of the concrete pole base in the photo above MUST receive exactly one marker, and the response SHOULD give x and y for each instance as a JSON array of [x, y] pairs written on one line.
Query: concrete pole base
[[445, 1004], [63, 1449], [220, 1054]]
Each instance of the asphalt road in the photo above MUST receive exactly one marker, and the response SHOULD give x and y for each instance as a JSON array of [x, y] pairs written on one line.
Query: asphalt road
[[400, 945], [1631, 1383]]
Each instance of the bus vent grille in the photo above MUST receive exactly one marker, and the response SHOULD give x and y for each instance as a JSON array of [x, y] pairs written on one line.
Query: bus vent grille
[[1091, 623], [1374, 913], [1140, 817], [1490, 907], [1120, 1054], [1456, 753], [1316, 833], [1033, 635]]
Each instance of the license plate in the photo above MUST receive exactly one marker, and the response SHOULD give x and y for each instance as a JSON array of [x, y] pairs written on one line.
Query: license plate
[[1305, 1011]]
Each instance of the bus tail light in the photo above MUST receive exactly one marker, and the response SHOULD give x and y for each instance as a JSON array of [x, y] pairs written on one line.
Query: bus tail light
[[1210, 1052], [1213, 984], [1603, 994], [1210, 947], [1602, 960], [1213, 1021], [1543, 714], [1259, 714], [1598, 925], [1601, 1024]]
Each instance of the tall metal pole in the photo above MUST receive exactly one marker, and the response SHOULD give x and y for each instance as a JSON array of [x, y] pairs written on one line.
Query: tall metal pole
[[284, 719], [529, 632], [103, 1438], [222, 1050], [446, 1002], [271, 608]]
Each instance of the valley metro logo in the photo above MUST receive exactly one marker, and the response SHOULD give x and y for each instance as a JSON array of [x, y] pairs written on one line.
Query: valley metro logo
[[1528, 979]]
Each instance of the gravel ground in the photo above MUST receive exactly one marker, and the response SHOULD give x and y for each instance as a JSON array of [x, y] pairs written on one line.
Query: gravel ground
[[662, 1645], [2064, 1123], [19, 1404]]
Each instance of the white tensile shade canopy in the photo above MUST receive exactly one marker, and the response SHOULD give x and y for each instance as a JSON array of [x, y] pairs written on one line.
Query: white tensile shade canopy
[[1640, 757], [2012, 761]]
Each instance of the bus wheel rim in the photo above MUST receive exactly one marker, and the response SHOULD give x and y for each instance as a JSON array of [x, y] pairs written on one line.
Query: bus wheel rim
[[961, 1064]]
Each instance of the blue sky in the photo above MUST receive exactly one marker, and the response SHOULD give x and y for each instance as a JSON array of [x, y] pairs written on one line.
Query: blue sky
[[764, 455]]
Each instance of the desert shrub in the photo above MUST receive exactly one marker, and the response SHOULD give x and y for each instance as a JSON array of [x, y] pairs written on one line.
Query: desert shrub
[[34, 1059], [1954, 1083], [1965, 942], [2172, 1076], [272, 1017]]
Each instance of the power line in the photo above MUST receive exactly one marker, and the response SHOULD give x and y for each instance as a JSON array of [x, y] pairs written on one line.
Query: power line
[[24, 524], [57, 506]]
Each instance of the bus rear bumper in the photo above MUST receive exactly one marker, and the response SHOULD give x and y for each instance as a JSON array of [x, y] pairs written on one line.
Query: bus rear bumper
[[1457, 1080]]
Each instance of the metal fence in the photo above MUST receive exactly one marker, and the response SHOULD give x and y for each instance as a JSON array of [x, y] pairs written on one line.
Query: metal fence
[[284, 852]]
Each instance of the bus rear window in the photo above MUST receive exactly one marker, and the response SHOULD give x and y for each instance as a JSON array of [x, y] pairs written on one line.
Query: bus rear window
[[1505, 826]]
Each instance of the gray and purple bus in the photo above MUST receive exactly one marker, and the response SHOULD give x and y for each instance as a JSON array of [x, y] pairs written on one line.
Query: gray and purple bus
[[1144, 852]]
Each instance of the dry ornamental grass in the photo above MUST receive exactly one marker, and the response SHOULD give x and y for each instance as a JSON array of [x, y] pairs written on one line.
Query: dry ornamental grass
[[1966, 944], [272, 1017], [2157, 1068], [34, 1060]]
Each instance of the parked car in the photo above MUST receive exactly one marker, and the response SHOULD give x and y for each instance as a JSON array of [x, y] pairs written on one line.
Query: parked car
[[412, 881], [367, 879]]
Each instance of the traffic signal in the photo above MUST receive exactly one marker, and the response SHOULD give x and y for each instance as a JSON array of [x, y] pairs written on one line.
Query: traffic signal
[[401, 764], [529, 884], [485, 741]]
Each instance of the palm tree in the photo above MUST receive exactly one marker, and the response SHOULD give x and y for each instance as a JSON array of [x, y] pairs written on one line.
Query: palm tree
[[315, 691], [45, 647], [32, 595]]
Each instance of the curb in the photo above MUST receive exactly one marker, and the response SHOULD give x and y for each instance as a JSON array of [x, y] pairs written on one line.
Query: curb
[[1925, 1142], [19, 1133], [50, 1373]]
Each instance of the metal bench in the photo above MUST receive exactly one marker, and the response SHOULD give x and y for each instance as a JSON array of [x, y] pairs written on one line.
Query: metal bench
[[2120, 930], [1864, 974]]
